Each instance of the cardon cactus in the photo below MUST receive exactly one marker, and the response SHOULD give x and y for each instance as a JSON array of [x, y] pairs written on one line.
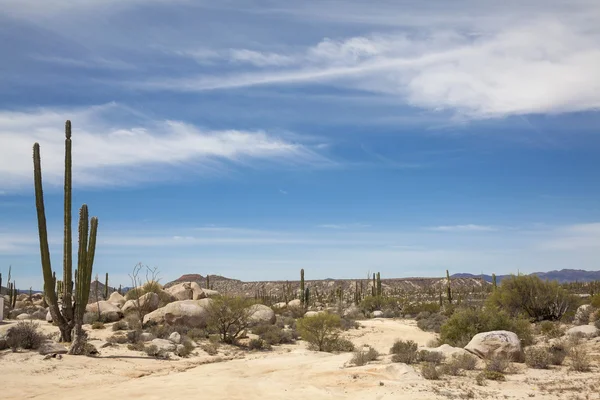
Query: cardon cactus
[[69, 317]]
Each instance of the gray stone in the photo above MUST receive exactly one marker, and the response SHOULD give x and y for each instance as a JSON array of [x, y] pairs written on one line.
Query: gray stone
[[192, 313], [116, 299], [377, 314], [164, 344], [108, 311], [147, 337], [51, 347], [23, 317], [148, 302], [587, 331], [175, 337], [261, 314]]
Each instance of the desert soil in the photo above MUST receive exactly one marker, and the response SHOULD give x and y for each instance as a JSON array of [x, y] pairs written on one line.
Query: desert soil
[[287, 372]]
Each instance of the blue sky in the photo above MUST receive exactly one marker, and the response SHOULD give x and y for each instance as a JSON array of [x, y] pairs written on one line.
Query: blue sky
[[254, 138]]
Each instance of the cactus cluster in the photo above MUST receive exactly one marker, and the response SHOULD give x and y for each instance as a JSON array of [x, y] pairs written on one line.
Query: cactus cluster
[[73, 295]]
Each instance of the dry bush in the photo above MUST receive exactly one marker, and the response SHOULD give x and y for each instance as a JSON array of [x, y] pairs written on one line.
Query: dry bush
[[153, 351], [274, 335], [120, 326], [197, 334], [480, 379], [132, 321], [597, 321], [98, 325], [210, 348], [430, 372], [490, 375], [117, 339], [362, 357], [258, 344], [295, 312], [580, 360], [558, 352], [24, 335], [551, 330], [338, 345], [185, 349], [283, 322], [459, 363], [139, 346], [538, 357], [497, 363], [404, 351], [347, 323], [434, 357]]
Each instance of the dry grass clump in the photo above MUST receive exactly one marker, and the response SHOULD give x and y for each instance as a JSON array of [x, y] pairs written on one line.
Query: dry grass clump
[[459, 363], [185, 349], [121, 325], [362, 357], [274, 335], [258, 344], [429, 322], [558, 352], [538, 357], [210, 348], [430, 371], [24, 335], [434, 357], [153, 351], [580, 360], [497, 363], [404, 351], [551, 330], [98, 325]]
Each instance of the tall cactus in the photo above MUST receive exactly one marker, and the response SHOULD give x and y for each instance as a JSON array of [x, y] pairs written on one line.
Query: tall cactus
[[494, 285], [302, 293], [0, 282], [106, 287], [448, 288], [69, 318], [379, 289], [207, 282]]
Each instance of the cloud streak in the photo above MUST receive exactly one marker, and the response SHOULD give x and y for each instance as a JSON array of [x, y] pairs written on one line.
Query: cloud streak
[[108, 154]]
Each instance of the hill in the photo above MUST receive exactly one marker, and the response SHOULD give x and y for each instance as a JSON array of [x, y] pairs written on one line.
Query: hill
[[562, 276]]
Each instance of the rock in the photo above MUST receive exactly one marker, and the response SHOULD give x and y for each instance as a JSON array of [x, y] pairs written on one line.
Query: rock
[[191, 313], [23, 317], [16, 312], [186, 291], [587, 331], [351, 311], [175, 337], [582, 315], [496, 343], [51, 347], [148, 302], [39, 314], [211, 293], [164, 344], [295, 303], [377, 314], [48, 317], [309, 314], [3, 344], [108, 311], [280, 305], [147, 337], [261, 314], [116, 299], [449, 351], [22, 297]]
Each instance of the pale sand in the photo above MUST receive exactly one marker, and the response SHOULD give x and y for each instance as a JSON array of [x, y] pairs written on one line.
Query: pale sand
[[288, 372]]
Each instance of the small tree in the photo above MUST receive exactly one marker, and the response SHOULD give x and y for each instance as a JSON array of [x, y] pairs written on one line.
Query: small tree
[[320, 330], [230, 316], [142, 307]]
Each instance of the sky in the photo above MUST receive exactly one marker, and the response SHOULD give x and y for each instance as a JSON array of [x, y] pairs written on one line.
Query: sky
[[254, 138]]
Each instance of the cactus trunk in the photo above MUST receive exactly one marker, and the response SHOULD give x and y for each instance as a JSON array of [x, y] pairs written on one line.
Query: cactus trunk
[[448, 288], [106, 287], [302, 293]]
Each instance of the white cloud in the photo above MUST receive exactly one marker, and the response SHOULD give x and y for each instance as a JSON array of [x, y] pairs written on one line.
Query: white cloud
[[579, 237], [106, 152], [463, 228], [544, 65]]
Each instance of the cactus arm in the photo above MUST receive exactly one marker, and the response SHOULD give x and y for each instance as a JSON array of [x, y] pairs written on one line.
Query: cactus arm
[[67, 292]]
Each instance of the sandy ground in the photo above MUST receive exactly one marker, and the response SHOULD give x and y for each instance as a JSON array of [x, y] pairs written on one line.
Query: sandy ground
[[287, 372]]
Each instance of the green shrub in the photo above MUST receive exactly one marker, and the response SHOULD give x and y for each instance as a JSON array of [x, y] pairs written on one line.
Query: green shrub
[[24, 335], [362, 357], [338, 345], [153, 351], [197, 334], [597, 322], [531, 296], [465, 361], [258, 344], [421, 307], [404, 351], [431, 323], [491, 375], [136, 346], [185, 349], [373, 303], [558, 352], [538, 357], [98, 325], [430, 371], [320, 330], [229, 316], [434, 357], [274, 335], [460, 328], [595, 301], [551, 329]]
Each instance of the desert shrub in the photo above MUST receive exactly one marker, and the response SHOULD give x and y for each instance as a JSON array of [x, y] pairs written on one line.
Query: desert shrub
[[491, 375], [197, 334], [24, 335], [132, 321], [185, 349], [538, 357], [434, 357], [465, 361], [117, 339], [404, 351], [431, 323], [295, 311], [320, 330], [452, 368], [120, 326], [421, 307], [134, 336], [480, 379], [460, 328], [161, 331], [580, 360], [551, 329], [139, 346], [347, 323], [434, 343], [153, 351], [258, 344], [90, 317], [373, 303], [531, 296], [497, 363], [362, 357], [210, 348], [595, 301], [98, 325], [338, 345], [597, 322], [558, 351], [229, 316], [430, 371], [283, 321], [273, 335]]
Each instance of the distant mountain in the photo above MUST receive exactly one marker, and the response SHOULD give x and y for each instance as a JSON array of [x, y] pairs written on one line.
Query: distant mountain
[[562, 276]]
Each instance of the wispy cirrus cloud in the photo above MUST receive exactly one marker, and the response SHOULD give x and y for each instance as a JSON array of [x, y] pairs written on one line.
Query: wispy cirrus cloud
[[463, 228], [133, 150]]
